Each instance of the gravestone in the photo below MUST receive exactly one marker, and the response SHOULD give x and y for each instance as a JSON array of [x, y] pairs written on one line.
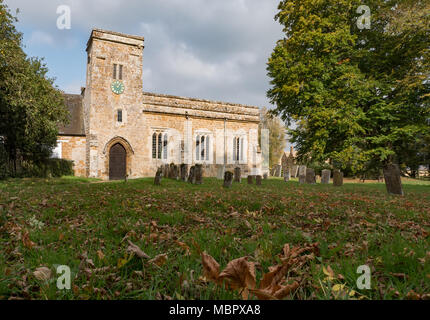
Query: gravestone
[[392, 178], [237, 175], [220, 173], [302, 174], [287, 176], [177, 172], [228, 179], [295, 171], [199, 173], [265, 176], [277, 170], [284, 163], [250, 179], [166, 169], [192, 175], [258, 180], [337, 178], [184, 172], [325, 176], [158, 176], [310, 176]]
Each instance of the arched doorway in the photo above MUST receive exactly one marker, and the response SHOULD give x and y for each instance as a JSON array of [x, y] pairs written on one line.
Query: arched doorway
[[117, 162]]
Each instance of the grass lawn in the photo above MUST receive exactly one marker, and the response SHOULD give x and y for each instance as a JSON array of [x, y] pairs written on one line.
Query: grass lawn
[[87, 226]]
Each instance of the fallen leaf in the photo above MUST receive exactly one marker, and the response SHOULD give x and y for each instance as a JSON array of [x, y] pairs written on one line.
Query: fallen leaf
[[239, 273], [100, 254], [26, 240], [159, 260], [137, 251], [210, 267], [42, 273]]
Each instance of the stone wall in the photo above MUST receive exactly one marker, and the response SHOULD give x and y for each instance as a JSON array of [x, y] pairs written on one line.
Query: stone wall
[[74, 148]]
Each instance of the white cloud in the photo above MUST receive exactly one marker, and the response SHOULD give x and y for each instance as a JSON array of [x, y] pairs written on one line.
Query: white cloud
[[40, 38]]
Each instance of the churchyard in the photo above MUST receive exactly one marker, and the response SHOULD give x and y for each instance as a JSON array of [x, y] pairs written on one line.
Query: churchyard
[[139, 240]]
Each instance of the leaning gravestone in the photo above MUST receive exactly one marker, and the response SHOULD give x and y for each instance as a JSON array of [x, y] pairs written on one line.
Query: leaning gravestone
[[392, 179], [228, 179], [302, 174], [158, 176], [325, 176], [192, 175], [278, 170], [199, 174], [184, 172], [250, 179], [237, 175], [287, 176], [310, 176], [337, 178], [258, 180]]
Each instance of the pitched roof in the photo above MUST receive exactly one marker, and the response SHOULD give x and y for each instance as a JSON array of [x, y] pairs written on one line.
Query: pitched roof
[[75, 127]]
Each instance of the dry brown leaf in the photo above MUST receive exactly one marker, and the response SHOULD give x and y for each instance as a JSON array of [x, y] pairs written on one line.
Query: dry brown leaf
[[42, 273], [137, 251], [26, 240], [210, 267], [184, 246], [100, 254], [159, 260], [286, 290], [262, 294], [239, 273]]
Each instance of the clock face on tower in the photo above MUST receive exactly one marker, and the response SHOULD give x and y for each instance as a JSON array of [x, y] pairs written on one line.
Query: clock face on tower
[[117, 87]]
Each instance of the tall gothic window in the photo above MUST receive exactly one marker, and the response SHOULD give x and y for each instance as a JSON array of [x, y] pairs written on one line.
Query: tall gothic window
[[117, 71], [159, 145], [202, 147], [238, 149]]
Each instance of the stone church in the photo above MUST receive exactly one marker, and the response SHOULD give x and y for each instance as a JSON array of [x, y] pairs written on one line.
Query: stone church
[[117, 130]]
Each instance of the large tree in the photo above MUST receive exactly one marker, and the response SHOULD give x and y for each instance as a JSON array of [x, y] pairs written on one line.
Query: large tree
[[30, 106], [356, 94]]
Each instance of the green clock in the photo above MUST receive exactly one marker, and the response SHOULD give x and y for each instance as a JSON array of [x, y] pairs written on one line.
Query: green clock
[[117, 87]]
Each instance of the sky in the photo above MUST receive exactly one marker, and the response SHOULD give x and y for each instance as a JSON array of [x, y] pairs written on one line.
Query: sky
[[210, 49]]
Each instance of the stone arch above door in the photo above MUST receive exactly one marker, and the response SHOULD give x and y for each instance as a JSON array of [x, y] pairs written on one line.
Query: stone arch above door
[[128, 156]]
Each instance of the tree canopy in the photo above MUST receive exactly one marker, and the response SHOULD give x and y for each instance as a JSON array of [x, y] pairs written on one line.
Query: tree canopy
[[358, 96], [31, 107]]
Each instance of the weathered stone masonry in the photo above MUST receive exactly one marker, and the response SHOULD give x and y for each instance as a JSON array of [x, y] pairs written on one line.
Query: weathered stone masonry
[[95, 127]]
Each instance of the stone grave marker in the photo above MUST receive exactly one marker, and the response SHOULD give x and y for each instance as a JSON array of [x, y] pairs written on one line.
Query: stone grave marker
[[310, 176], [228, 179], [184, 172], [325, 176], [199, 173], [250, 179], [287, 175], [392, 178], [295, 171], [302, 174], [158, 176], [337, 178], [192, 175], [278, 169], [237, 175], [265, 176], [258, 180]]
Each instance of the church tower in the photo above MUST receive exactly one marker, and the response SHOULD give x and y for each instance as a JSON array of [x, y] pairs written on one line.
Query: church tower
[[113, 93]]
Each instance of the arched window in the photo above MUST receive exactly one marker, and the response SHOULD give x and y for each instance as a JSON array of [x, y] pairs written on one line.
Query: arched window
[[159, 145], [119, 115], [198, 148], [202, 148], [238, 148]]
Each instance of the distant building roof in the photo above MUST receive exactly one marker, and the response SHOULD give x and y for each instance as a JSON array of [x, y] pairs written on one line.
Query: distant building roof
[[75, 127]]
